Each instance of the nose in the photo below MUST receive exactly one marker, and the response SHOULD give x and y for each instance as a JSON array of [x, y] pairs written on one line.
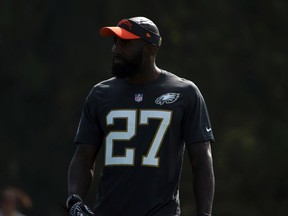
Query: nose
[[114, 48], [118, 44]]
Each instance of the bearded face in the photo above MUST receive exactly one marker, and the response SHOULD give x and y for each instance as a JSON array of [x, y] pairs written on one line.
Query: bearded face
[[123, 67]]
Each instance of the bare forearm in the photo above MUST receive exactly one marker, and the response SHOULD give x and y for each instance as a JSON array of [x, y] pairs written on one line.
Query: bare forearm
[[80, 172], [79, 179], [204, 183], [203, 176]]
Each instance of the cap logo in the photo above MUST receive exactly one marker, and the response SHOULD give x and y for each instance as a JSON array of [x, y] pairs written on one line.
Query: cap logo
[[125, 22]]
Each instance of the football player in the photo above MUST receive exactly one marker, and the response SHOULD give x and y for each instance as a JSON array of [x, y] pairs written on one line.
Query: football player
[[144, 117]]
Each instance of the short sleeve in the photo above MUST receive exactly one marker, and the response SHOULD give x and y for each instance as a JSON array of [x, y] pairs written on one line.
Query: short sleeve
[[89, 130], [196, 123]]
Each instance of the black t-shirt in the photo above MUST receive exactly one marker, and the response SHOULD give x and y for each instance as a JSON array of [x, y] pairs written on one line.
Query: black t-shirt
[[143, 129]]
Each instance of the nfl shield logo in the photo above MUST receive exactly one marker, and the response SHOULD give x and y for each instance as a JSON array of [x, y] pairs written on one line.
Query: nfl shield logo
[[138, 97]]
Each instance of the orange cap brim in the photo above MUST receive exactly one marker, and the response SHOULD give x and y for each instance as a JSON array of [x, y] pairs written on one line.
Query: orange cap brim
[[120, 32]]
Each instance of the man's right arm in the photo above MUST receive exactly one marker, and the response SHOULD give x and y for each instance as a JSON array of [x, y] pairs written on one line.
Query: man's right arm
[[80, 172]]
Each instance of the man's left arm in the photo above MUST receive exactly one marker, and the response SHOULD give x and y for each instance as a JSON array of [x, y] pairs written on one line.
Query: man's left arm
[[203, 176]]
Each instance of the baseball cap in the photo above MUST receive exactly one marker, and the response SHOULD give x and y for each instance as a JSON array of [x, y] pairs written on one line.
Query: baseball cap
[[134, 28]]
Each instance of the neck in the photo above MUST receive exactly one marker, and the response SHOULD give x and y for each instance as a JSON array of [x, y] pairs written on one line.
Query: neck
[[146, 73]]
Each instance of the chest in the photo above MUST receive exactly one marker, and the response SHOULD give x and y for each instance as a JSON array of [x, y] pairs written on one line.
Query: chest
[[140, 106]]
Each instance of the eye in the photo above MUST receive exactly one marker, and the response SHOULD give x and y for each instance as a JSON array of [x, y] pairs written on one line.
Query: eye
[[127, 41], [121, 41], [115, 39]]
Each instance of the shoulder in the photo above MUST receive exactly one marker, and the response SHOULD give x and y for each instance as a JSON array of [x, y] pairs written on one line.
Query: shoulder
[[184, 84], [106, 83], [105, 86]]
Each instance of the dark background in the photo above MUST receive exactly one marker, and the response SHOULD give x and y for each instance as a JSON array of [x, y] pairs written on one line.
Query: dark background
[[235, 51]]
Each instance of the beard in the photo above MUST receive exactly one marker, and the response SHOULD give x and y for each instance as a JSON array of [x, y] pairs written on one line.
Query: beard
[[127, 68]]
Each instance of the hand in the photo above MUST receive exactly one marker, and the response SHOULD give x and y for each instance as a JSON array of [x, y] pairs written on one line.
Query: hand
[[76, 207], [80, 209]]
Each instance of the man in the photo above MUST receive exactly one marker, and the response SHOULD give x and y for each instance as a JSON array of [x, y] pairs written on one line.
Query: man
[[143, 117]]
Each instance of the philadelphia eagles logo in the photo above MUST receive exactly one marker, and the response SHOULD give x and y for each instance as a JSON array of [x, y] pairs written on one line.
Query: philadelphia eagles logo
[[167, 98]]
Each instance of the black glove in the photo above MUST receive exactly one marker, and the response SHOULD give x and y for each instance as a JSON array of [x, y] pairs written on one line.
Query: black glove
[[76, 207], [80, 209]]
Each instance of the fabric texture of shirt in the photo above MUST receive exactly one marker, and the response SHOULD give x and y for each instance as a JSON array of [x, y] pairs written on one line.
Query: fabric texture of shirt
[[143, 130]]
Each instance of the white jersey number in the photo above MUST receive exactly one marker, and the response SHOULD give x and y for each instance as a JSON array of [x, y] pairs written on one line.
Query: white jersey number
[[150, 159]]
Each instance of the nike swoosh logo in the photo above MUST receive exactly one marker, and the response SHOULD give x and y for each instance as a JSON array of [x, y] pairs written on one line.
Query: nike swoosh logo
[[208, 129]]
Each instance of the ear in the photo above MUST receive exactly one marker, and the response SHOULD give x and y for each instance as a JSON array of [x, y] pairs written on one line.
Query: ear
[[150, 49]]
